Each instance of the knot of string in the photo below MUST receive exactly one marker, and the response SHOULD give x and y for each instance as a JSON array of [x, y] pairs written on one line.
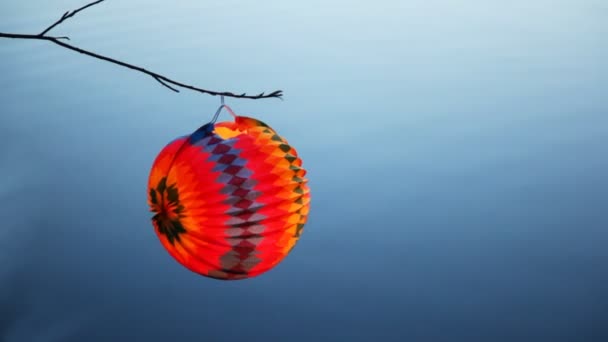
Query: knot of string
[[219, 110]]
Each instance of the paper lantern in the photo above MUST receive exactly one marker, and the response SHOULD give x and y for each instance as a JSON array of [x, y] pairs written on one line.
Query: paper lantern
[[230, 200]]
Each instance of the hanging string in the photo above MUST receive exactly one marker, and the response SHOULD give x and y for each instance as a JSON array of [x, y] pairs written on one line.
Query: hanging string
[[219, 110]]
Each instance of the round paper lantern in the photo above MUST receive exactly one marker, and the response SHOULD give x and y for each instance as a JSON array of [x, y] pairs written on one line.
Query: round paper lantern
[[230, 200]]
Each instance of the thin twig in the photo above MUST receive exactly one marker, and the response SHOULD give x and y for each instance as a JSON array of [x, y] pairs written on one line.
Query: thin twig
[[165, 84], [67, 15], [163, 80]]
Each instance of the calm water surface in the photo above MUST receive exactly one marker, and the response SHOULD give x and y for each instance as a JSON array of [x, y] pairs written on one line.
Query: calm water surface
[[456, 154]]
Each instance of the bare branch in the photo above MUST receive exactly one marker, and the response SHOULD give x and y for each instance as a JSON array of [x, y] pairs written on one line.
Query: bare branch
[[163, 80], [67, 15]]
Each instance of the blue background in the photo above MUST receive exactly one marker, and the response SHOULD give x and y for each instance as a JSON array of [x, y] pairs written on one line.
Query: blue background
[[456, 153]]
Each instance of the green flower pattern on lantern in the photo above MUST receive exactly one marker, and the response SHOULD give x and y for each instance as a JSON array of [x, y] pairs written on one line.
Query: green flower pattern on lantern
[[165, 203]]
